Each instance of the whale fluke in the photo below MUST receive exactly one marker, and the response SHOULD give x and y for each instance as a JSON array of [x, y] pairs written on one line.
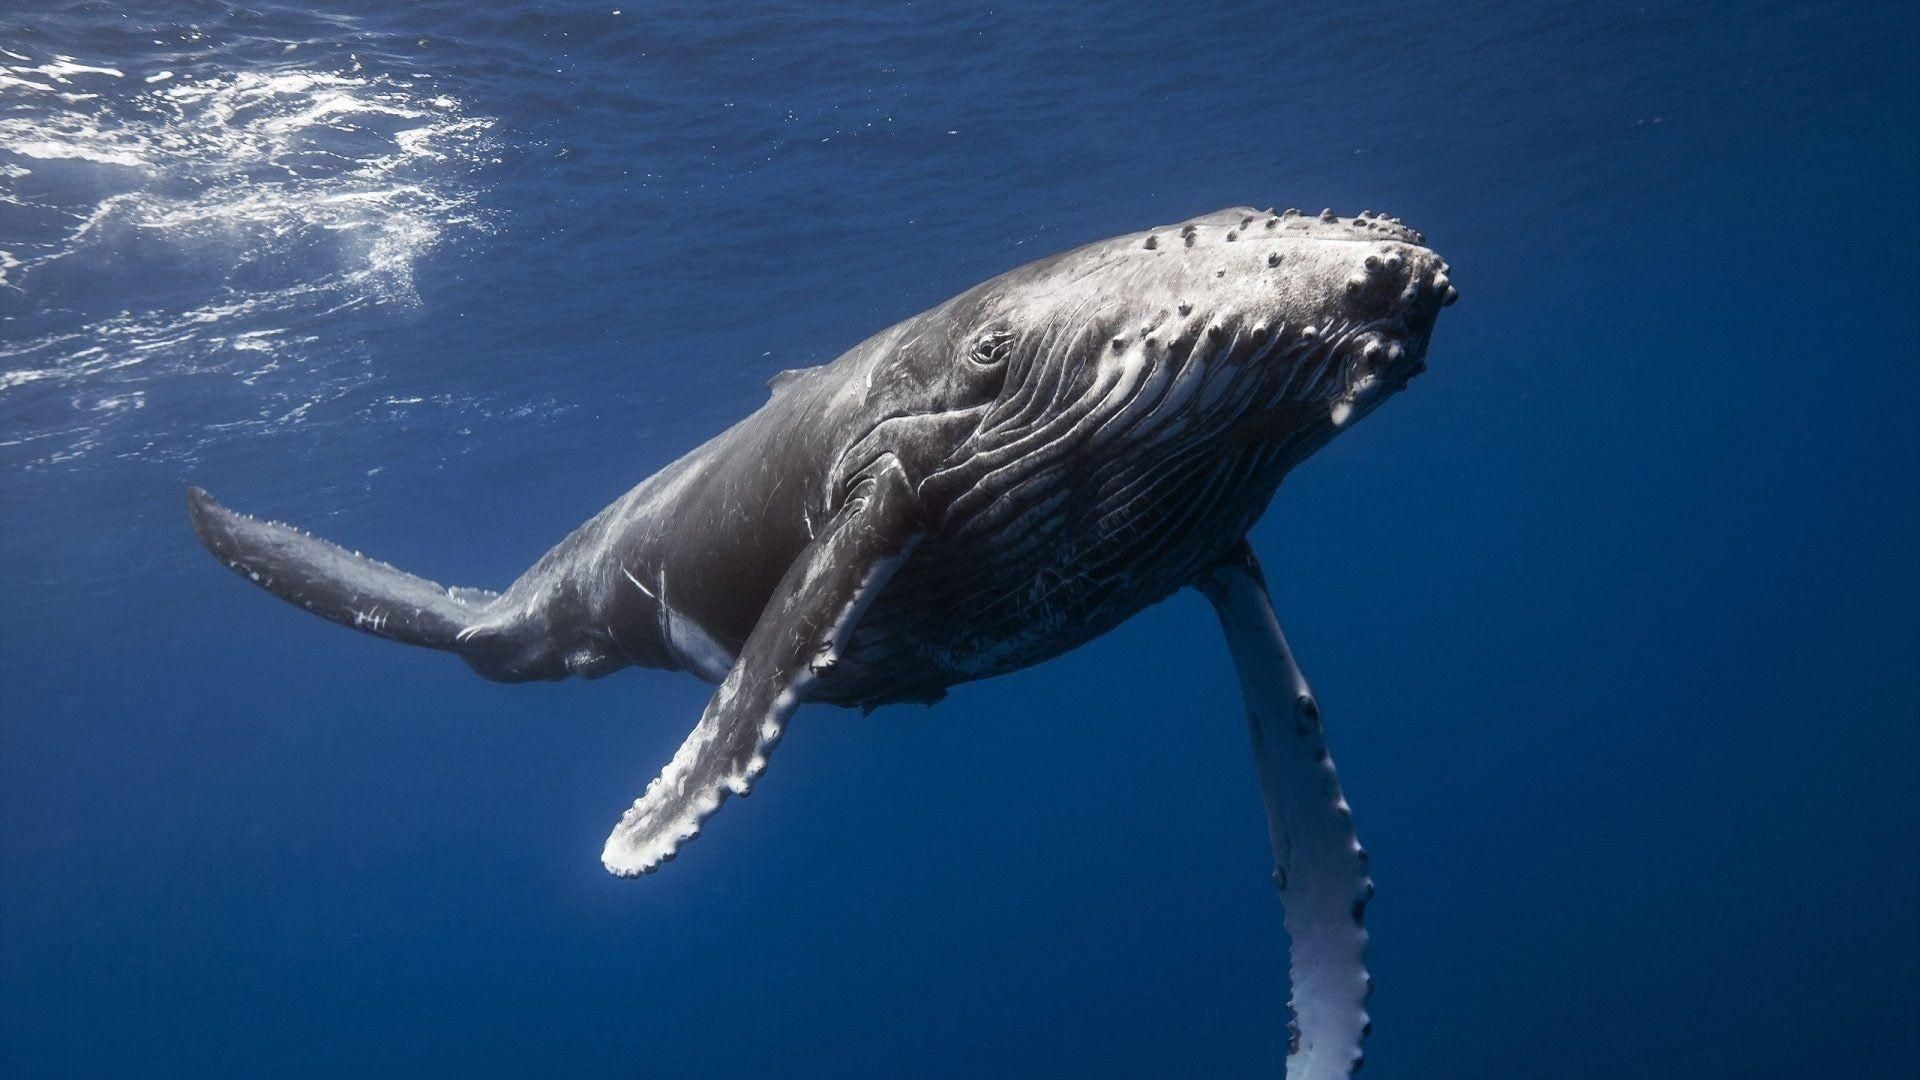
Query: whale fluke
[[329, 580]]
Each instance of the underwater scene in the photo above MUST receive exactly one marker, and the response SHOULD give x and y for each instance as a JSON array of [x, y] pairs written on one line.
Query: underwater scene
[[910, 387]]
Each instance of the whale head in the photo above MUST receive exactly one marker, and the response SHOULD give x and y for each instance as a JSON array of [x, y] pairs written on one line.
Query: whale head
[[1279, 325]]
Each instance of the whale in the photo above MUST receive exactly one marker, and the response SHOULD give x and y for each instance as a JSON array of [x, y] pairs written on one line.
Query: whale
[[972, 491]]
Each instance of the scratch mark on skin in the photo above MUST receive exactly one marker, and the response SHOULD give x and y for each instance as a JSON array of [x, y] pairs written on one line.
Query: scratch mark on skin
[[636, 583], [615, 639]]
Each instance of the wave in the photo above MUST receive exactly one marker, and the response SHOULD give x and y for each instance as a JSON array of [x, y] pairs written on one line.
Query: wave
[[156, 229]]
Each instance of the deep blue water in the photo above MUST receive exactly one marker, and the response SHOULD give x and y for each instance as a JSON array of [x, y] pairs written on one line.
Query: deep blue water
[[1614, 615]]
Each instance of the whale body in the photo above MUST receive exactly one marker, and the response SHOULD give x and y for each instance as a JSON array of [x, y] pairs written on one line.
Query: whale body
[[975, 490]]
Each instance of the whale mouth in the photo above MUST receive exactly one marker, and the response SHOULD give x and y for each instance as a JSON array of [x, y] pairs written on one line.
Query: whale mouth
[[1383, 357], [1389, 351]]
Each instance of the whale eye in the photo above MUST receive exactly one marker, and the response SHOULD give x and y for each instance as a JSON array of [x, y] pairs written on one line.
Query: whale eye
[[992, 347]]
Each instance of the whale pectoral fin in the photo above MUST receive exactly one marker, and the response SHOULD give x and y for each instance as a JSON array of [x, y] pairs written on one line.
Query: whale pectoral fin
[[1319, 864], [801, 633], [782, 380]]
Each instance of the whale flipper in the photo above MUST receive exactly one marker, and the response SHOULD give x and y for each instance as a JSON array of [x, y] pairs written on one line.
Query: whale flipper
[[329, 580], [1318, 862], [801, 634]]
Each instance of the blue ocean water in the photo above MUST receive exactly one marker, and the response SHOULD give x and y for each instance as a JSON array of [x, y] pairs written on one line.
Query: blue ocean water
[[1614, 615]]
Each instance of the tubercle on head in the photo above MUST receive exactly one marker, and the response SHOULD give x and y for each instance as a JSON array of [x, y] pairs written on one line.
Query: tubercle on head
[[1352, 296], [1233, 226]]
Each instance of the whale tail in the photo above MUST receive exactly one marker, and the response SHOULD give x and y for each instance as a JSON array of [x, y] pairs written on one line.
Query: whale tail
[[356, 591]]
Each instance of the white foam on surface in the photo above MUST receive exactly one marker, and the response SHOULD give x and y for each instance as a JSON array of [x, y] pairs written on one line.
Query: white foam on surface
[[239, 210]]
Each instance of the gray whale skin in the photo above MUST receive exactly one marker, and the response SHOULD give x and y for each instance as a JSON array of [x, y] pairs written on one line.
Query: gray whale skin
[[979, 488]]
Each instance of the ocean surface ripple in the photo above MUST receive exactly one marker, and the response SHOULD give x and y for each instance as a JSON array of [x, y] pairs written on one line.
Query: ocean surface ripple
[[176, 229]]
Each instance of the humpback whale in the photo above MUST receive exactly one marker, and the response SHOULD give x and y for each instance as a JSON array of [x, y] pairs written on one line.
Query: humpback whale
[[979, 488]]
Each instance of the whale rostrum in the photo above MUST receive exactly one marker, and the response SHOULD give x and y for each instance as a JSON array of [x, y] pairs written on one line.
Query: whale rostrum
[[979, 488]]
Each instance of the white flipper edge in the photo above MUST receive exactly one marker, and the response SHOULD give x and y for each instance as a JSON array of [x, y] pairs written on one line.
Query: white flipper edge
[[1318, 861], [801, 634]]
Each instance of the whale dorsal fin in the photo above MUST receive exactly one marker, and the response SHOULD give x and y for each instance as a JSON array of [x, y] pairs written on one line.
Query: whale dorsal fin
[[1318, 862], [802, 632], [788, 377]]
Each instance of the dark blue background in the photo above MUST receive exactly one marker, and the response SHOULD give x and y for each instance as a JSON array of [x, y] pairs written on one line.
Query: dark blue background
[[1615, 615]]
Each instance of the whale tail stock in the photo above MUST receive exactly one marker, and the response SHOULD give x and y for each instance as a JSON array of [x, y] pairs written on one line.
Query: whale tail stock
[[351, 589]]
